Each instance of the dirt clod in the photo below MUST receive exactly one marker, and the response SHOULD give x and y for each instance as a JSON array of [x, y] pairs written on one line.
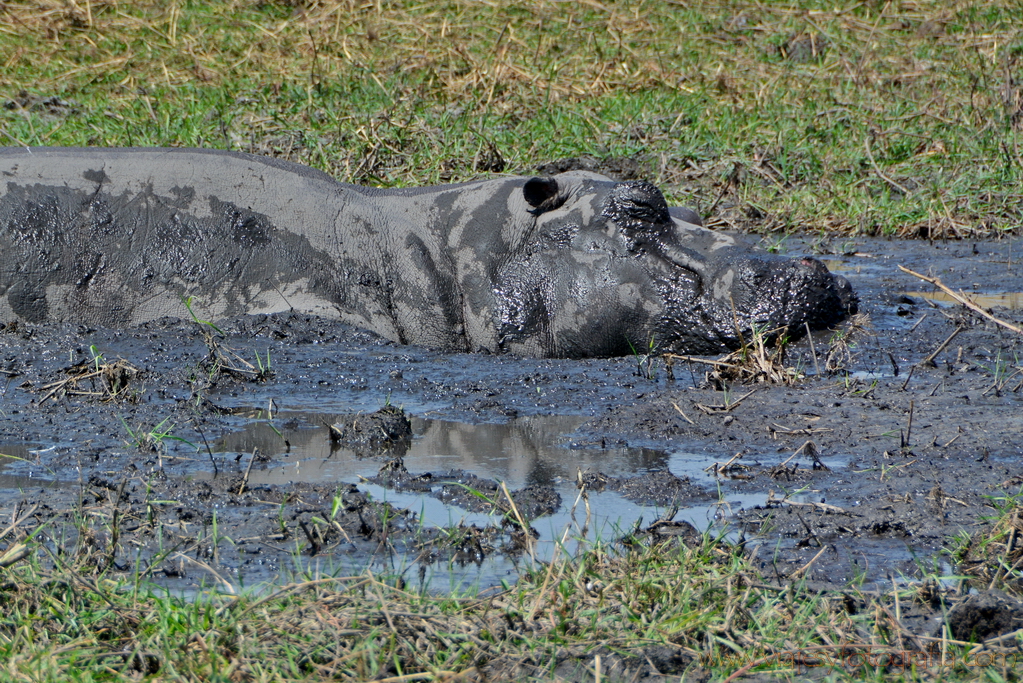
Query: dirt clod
[[985, 615]]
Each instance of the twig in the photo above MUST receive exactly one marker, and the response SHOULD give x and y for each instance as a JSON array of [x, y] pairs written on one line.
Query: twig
[[245, 477], [415, 677], [682, 414], [963, 299], [813, 351], [908, 377], [809, 446], [790, 655], [1012, 635], [717, 468], [929, 361], [909, 426], [295, 588], [880, 173], [520, 520], [820, 506], [802, 570], [696, 359], [711, 410]]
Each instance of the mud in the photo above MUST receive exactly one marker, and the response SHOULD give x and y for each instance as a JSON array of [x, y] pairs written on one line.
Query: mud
[[200, 465]]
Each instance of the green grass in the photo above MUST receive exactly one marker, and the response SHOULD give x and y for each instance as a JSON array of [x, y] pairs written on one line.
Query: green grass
[[702, 610], [851, 117]]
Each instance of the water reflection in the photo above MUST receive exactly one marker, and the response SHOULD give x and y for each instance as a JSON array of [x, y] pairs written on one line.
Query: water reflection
[[527, 450]]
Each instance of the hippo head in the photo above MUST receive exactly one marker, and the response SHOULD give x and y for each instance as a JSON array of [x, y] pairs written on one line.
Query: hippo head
[[609, 269]]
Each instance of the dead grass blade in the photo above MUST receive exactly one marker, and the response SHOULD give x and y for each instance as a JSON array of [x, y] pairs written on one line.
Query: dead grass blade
[[110, 381]]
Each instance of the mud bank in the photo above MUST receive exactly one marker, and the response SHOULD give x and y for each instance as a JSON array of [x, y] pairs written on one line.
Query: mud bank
[[201, 456]]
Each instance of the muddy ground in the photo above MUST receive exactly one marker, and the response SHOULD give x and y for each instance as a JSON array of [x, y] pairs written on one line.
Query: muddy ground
[[204, 468]]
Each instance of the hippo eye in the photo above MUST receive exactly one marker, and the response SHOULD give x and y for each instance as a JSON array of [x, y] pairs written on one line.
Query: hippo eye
[[644, 211], [636, 202]]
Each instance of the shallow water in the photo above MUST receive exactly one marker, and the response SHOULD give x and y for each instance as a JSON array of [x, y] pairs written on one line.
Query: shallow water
[[520, 452]]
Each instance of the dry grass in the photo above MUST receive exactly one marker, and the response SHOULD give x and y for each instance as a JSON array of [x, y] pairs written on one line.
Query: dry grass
[[993, 557], [853, 118], [107, 381]]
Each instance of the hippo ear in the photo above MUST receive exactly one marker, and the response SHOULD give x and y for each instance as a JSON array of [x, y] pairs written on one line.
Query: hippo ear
[[686, 214], [540, 193]]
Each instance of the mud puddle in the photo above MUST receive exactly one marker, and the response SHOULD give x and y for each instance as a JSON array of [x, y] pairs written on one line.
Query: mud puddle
[[183, 473], [534, 451]]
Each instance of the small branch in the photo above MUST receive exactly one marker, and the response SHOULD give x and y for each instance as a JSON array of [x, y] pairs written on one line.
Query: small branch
[[963, 299], [682, 414], [929, 361]]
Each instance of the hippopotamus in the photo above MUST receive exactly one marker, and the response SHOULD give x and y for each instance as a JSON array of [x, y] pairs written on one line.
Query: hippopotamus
[[570, 265]]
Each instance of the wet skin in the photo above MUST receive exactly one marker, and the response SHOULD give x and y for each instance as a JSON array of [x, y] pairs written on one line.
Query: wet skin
[[573, 265]]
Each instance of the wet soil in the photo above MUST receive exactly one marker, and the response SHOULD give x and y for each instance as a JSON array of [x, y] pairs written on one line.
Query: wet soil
[[267, 455]]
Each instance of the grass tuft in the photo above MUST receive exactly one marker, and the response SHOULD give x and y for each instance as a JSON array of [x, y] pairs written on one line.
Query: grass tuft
[[854, 118]]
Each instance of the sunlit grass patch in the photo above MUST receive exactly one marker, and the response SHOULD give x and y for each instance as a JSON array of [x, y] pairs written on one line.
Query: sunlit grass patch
[[857, 118], [701, 609]]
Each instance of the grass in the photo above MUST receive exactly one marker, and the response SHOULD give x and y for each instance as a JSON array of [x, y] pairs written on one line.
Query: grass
[[852, 118], [699, 610]]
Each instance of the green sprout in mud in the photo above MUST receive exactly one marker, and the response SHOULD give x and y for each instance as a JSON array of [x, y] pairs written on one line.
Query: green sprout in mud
[[97, 357], [646, 363], [1002, 371], [187, 301], [264, 368], [774, 245], [849, 382], [153, 439], [281, 521]]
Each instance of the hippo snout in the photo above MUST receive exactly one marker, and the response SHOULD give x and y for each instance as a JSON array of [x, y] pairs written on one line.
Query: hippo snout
[[777, 292], [750, 291]]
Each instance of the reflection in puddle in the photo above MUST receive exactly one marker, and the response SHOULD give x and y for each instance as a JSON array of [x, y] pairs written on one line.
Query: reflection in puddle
[[24, 453], [1010, 300], [522, 452]]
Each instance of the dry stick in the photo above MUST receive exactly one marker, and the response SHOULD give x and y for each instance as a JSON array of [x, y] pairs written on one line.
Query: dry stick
[[711, 410], [415, 677], [785, 655], [964, 300], [520, 520], [383, 605], [816, 366], [798, 451], [15, 553], [909, 426], [802, 570], [880, 173], [245, 477], [17, 521], [682, 414], [930, 359], [227, 585], [717, 467], [705, 361], [295, 588], [1012, 635], [827, 507], [908, 377]]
